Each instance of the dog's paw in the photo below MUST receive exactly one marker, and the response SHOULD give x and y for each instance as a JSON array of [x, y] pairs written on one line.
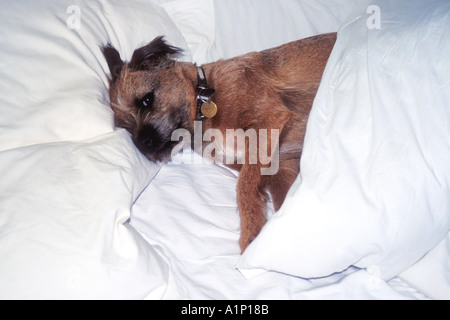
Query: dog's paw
[[244, 242], [250, 233]]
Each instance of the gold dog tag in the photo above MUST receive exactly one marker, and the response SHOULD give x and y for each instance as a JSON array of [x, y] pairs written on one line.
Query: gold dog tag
[[209, 110]]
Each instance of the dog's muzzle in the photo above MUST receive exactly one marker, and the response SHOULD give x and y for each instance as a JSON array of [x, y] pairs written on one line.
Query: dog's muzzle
[[154, 145]]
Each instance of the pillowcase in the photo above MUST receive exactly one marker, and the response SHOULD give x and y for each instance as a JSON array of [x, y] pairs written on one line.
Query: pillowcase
[[374, 191], [68, 180]]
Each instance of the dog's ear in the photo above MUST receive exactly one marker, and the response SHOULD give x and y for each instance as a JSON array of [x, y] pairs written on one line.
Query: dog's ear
[[115, 63], [152, 54]]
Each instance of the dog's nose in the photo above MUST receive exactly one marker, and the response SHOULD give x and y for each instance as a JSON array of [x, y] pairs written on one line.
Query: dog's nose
[[147, 141], [153, 145], [149, 137]]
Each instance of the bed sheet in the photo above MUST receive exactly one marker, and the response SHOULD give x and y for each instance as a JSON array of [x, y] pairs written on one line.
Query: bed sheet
[[212, 35], [188, 212]]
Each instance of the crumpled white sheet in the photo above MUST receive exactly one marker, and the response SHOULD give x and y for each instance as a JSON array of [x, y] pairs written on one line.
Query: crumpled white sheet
[[189, 214], [431, 275]]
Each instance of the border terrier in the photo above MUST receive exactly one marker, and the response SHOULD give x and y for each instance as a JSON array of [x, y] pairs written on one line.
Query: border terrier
[[154, 95]]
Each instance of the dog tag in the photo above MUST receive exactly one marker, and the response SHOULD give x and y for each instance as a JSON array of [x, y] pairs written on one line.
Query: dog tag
[[209, 110]]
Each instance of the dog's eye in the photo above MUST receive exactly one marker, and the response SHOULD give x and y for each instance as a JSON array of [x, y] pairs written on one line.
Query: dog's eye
[[147, 101]]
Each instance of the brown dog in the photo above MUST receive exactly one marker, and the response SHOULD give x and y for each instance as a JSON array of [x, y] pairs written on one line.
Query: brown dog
[[153, 96]]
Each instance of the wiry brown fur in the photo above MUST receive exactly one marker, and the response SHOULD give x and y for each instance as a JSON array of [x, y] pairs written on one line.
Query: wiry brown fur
[[272, 89]]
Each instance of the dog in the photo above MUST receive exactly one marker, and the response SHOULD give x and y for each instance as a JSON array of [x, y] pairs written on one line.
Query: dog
[[154, 95]]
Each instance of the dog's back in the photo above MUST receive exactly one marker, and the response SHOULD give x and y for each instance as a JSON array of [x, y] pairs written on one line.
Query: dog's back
[[274, 88], [299, 66]]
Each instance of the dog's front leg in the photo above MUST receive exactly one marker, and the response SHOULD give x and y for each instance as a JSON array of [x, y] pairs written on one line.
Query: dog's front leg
[[252, 199]]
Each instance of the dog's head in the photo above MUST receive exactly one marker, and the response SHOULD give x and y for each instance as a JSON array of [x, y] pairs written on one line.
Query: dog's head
[[151, 96]]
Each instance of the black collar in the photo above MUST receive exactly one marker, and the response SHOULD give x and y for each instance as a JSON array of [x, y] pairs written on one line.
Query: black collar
[[204, 94]]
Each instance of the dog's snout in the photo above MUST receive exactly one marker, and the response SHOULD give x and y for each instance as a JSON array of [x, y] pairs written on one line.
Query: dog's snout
[[147, 141], [149, 137], [154, 145]]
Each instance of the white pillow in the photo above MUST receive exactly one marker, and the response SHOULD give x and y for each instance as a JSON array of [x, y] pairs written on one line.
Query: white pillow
[[375, 191], [64, 209], [64, 206]]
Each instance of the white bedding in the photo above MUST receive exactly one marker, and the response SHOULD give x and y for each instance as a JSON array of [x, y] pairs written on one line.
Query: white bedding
[[84, 215]]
